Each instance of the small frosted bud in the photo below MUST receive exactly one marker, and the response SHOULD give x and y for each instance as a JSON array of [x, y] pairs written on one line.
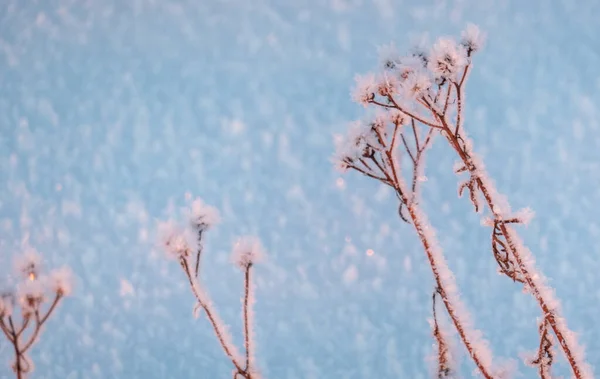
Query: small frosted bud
[[31, 294], [203, 216], [173, 240], [61, 281], [364, 91], [28, 265], [398, 118], [472, 38], [447, 58], [246, 252], [389, 57]]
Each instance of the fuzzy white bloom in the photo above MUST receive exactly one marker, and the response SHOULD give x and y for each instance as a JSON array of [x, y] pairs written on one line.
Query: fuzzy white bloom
[[398, 118], [365, 88], [6, 305], [389, 58], [203, 216], [30, 294], [387, 84], [472, 38], [174, 240], [28, 265], [447, 58], [416, 84], [350, 146], [247, 251], [61, 281]]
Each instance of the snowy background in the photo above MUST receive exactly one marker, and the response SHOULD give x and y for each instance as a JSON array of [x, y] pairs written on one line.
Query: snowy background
[[112, 111]]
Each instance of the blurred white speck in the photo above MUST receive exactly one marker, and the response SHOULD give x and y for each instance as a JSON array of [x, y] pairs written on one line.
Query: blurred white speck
[[370, 252], [350, 275], [407, 264], [126, 288], [340, 183]]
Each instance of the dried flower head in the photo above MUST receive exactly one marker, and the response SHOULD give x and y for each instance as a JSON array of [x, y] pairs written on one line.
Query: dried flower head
[[60, 281], [31, 294], [203, 216], [246, 252], [174, 240], [398, 118], [389, 57], [472, 38], [447, 58], [28, 265], [364, 91]]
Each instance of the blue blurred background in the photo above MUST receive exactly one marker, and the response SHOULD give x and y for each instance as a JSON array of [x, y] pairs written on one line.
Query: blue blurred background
[[112, 111]]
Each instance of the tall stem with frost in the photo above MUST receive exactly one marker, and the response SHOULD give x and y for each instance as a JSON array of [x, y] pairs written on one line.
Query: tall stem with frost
[[371, 150], [434, 106]]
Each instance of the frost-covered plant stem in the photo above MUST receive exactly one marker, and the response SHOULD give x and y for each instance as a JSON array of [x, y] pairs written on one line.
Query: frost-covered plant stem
[[371, 150], [246, 252], [529, 274], [217, 325], [429, 88]]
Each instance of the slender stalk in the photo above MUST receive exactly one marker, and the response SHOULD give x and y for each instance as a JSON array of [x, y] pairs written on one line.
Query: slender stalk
[[246, 318], [18, 357], [536, 287], [209, 313], [435, 264]]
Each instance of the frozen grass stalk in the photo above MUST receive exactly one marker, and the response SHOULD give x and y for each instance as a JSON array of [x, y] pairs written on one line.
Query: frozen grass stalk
[[25, 311], [185, 244], [429, 89]]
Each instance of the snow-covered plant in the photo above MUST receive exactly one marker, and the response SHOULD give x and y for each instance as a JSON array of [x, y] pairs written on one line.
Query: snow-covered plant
[[428, 88], [390, 148], [25, 309], [185, 244]]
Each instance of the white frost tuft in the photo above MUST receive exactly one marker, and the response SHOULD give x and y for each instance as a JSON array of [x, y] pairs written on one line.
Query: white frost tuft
[[365, 89], [174, 240], [28, 265], [61, 281], [447, 58], [203, 216], [246, 252], [473, 38]]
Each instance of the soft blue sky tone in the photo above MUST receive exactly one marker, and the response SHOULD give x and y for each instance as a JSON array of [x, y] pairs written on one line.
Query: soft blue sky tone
[[110, 111]]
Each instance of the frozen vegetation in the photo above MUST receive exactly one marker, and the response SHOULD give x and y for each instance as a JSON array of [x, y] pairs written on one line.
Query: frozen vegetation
[[115, 116]]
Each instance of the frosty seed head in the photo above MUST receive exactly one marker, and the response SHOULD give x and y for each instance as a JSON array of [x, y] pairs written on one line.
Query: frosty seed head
[[173, 240], [365, 88], [203, 216], [246, 252], [446, 58], [472, 38], [60, 281], [28, 265]]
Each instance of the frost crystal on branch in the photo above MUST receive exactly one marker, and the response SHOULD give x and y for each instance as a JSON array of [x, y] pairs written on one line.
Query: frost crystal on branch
[[246, 252]]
